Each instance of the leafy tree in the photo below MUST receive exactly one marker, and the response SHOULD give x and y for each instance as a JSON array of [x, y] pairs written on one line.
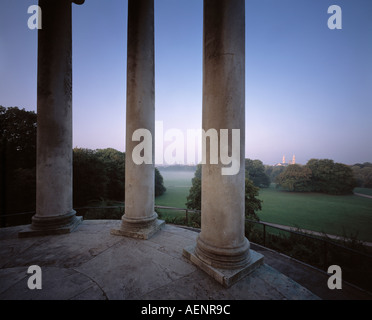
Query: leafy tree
[[194, 197], [100, 174], [269, 171], [18, 131], [252, 204], [256, 173], [114, 163], [322, 173], [363, 165], [343, 181], [274, 171], [22, 191], [295, 178], [159, 183], [89, 177], [18, 160], [331, 177], [97, 173], [363, 174]]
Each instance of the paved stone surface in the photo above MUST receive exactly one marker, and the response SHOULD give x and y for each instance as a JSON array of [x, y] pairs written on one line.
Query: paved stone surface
[[90, 263], [66, 284], [225, 277]]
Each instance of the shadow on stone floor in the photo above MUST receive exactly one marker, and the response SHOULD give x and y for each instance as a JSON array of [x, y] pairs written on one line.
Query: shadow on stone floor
[[90, 263]]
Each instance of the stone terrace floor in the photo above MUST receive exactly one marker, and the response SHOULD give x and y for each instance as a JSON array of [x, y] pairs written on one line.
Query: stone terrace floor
[[90, 263]]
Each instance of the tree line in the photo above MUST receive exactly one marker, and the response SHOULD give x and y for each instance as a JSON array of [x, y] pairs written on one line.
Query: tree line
[[100, 174], [363, 174], [97, 174], [318, 175], [255, 177]]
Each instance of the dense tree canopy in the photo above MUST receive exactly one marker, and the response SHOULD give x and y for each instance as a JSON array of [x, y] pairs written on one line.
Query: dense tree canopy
[[255, 171], [18, 159], [90, 180], [252, 204], [194, 197], [100, 174], [363, 174], [331, 177], [159, 183], [97, 174], [318, 176], [18, 132], [114, 162], [273, 171], [295, 178]]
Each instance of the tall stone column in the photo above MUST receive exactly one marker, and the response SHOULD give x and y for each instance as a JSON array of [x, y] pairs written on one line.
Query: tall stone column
[[222, 249], [140, 219], [54, 212]]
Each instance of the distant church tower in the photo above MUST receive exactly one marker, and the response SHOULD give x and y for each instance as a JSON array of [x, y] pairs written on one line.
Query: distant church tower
[[283, 160], [293, 159]]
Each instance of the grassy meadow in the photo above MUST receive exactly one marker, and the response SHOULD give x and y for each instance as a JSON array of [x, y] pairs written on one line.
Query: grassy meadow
[[178, 184], [348, 215], [340, 215], [366, 191]]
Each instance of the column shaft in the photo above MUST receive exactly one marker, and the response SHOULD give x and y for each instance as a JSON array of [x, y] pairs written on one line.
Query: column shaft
[[54, 213], [139, 179], [221, 248], [222, 242], [140, 219]]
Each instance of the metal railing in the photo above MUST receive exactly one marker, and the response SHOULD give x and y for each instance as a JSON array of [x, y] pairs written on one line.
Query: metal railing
[[326, 242], [187, 211], [326, 250], [317, 251], [81, 211]]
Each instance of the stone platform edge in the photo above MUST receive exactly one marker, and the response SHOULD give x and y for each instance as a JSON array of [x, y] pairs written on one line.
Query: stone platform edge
[[226, 277]]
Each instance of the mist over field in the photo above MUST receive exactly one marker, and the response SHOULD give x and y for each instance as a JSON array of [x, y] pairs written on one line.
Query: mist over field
[[178, 184], [332, 214]]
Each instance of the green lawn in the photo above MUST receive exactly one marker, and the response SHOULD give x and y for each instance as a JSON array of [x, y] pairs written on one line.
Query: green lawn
[[313, 211], [178, 185], [338, 215], [367, 191]]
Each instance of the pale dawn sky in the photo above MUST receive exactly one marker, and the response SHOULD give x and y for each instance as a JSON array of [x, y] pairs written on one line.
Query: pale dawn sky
[[308, 88]]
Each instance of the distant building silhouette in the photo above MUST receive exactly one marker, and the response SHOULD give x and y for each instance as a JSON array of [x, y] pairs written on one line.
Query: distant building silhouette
[[284, 164], [294, 159]]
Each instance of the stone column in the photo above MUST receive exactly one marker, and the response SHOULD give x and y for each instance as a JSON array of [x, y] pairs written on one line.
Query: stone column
[[140, 219], [54, 213], [222, 249]]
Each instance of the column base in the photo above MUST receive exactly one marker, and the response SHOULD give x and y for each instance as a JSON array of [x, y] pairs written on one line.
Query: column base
[[132, 230], [226, 277], [51, 225]]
